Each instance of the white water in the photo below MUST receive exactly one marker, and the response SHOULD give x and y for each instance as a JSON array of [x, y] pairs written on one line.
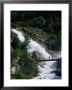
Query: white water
[[19, 34], [45, 68], [34, 46]]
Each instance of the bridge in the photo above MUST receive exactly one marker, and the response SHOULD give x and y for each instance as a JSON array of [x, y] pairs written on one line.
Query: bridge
[[55, 59]]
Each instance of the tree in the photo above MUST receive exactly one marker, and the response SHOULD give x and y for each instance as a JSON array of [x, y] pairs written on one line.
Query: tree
[[38, 22], [27, 63], [54, 25], [15, 43]]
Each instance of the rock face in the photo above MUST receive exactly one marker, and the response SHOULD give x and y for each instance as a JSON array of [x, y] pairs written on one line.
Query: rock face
[[13, 70]]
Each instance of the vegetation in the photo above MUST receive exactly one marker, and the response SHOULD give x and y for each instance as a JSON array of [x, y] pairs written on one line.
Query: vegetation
[[42, 26], [26, 64]]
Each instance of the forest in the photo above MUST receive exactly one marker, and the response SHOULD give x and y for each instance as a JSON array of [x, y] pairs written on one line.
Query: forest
[[43, 27]]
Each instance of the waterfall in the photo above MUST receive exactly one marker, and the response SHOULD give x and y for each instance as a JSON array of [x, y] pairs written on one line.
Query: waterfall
[[34, 46], [19, 34], [45, 68]]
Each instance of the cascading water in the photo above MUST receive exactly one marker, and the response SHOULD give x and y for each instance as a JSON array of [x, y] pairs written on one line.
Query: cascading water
[[19, 34], [34, 46], [45, 68]]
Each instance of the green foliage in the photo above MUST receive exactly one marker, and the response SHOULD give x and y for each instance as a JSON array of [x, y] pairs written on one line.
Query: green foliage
[[50, 40], [54, 25], [54, 42], [20, 24], [38, 19], [14, 41], [15, 48], [27, 64], [37, 22], [30, 66], [43, 27], [18, 74]]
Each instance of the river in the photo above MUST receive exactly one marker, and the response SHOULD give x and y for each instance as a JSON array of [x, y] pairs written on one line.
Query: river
[[45, 68]]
